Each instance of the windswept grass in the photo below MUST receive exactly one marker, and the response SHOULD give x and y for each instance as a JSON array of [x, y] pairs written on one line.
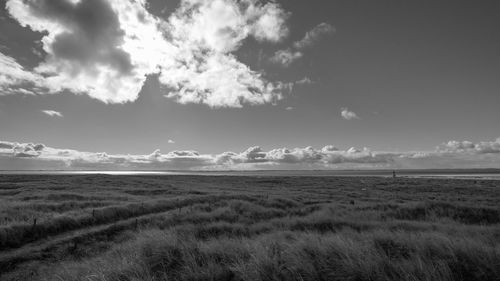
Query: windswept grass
[[245, 228], [289, 255]]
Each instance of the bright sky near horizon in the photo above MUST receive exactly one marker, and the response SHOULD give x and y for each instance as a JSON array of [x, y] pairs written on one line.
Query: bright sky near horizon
[[225, 84]]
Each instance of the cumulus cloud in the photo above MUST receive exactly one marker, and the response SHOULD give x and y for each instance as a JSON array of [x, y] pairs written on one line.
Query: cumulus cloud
[[52, 113], [21, 150], [470, 147], [91, 46], [287, 56], [107, 48], [253, 157], [348, 114], [327, 157], [453, 154], [205, 70], [39, 156]]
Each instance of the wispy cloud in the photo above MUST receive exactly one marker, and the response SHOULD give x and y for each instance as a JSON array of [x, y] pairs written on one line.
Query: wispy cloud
[[314, 35], [287, 56], [52, 113], [348, 114], [15, 79], [304, 81]]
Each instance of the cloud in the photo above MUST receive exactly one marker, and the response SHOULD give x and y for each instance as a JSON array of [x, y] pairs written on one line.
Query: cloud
[[289, 108], [314, 35], [304, 157], [107, 48], [7, 145], [90, 48], [205, 70], [52, 113], [304, 81], [287, 56], [348, 115], [14, 79], [171, 141], [453, 154], [470, 147], [21, 150]]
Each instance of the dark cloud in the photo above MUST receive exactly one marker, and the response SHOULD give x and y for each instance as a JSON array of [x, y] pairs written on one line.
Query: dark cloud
[[7, 145], [93, 36], [25, 154]]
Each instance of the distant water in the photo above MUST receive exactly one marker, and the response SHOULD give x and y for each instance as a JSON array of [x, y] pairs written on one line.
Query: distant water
[[459, 174]]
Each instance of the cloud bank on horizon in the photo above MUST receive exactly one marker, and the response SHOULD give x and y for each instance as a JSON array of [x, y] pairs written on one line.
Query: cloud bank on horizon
[[453, 154], [106, 49]]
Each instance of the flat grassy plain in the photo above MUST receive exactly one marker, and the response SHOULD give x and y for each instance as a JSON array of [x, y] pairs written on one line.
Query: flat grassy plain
[[185, 227]]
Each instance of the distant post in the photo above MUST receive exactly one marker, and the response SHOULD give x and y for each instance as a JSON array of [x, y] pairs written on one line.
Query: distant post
[[393, 174]]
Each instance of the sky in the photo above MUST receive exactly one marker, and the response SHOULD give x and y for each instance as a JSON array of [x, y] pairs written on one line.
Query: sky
[[249, 84]]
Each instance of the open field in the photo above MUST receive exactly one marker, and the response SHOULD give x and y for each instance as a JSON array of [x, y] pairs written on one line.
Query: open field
[[102, 227]]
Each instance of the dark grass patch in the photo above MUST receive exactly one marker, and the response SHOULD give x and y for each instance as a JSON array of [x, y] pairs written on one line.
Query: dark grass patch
[[430, 211]]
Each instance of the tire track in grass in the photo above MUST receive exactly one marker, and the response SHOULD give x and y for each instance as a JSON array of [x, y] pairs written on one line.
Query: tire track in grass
[[13, 237], [44, 249]]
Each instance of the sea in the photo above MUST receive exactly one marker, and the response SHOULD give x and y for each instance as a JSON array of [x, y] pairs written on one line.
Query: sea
[[490, 174]]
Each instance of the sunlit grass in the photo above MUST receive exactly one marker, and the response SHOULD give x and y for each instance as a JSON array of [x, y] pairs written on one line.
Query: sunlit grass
[[247, 228]]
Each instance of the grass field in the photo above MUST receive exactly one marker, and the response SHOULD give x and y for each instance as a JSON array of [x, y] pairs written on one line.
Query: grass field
[[98, 227]]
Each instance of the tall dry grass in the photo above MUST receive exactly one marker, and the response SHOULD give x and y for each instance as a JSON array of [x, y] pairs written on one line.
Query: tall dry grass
[[245, 228]]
